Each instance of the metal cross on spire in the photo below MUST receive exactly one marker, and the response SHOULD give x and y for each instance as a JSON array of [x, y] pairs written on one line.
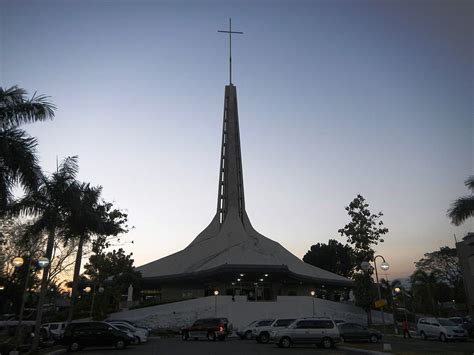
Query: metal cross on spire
[[230, 32]]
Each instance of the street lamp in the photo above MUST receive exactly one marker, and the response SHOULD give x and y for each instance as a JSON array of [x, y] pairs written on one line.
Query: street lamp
[[216, 292], [365, 265], [399, 290], [313, 293], [17, 263]]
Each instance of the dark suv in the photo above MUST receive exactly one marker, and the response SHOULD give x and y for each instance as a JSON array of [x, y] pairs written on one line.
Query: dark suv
[[207, 328], [82, 334]]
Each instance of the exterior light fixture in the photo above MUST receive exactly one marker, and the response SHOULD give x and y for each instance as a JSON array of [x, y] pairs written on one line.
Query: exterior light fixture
[[242, 275], [238, 280], [384, 266], [261, 280], [43, 262], [312, 293], [18, 261], [216, 293], [397, 289], [233, 283], [266, 275], [101, 289], [87, 289]]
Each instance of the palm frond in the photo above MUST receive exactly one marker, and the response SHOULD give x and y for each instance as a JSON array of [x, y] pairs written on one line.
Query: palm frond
[[16, 108], [461, 209], [18, 163], [470, 183]]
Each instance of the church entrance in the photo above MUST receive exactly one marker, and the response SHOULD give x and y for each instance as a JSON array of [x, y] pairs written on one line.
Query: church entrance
[[255, 293]]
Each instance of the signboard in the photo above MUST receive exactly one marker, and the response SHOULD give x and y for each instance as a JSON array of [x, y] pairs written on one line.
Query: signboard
[[380, 303]]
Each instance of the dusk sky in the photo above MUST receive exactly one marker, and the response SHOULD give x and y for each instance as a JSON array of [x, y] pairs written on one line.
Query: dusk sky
[[335, 98]]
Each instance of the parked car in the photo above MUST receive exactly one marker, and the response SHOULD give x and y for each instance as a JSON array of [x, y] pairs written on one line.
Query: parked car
[[139, 334], [356, 332], [462, 321], [79, 335], [148, 329], [248, 332], [207, 328], [321, 331], [262, 333], [53, 331], [440, 328]]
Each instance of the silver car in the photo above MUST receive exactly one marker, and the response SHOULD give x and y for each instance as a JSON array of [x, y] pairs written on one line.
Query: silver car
[[262, 333], [321, 331]]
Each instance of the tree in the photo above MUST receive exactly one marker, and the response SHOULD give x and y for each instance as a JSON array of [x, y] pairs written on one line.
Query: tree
[[18, 161], [364, 231], [424, 287], [90, 217], [333, 256], [463, 207], [445, 265], [114, 270], [50, 206]]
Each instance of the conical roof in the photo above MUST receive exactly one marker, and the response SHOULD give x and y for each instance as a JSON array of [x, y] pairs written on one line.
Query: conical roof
[[230, 241]]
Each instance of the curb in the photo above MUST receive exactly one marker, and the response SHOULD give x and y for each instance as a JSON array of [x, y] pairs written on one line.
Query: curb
[[372, 352], [57, 352]]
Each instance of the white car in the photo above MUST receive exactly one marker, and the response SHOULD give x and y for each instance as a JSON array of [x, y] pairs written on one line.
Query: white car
[[315, 330], [54, 330], [440, 328], [262, 333], [248, 332], [140, 335]]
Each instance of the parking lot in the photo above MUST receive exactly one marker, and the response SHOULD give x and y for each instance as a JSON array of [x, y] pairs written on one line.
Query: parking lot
[[234, 346], [231, 346]]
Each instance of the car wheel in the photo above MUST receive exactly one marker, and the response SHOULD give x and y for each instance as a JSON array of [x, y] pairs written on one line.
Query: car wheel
[[326, 343], [264, 338], [74, 346], [423, 336], [120, 344], [374, 338], [136, 341], [248, 335], [343, 340], [211, 336], [442, 337], [185, 336], [285, 342]]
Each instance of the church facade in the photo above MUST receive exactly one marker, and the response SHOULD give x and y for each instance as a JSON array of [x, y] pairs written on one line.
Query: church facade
[[229, 256]]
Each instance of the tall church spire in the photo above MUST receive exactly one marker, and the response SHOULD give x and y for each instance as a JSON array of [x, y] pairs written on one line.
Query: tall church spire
[[231, 184]]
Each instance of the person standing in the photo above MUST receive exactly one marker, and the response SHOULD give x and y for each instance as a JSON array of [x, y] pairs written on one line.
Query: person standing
[[405, 329]]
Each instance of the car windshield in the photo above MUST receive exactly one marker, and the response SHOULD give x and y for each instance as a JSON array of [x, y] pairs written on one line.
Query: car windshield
[[265, 323], [54, 326], [446, 322]]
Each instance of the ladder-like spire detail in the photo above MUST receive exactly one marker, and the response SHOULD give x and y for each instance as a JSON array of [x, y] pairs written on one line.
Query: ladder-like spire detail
[[231, 184]]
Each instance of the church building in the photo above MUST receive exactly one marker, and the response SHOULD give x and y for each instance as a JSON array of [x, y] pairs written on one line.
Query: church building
[[229, 256]]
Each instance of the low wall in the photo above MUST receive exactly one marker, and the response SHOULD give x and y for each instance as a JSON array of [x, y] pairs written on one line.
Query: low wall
[[240, 312]]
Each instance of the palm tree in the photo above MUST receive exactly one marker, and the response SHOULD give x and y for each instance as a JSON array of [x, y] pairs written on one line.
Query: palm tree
[[424, 286], [50, 204], [89, 217], [18, 162], [463, 207]]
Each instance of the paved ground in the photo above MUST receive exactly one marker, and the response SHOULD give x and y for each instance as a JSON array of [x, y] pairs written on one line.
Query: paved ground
[[418, 346], [233, 346]]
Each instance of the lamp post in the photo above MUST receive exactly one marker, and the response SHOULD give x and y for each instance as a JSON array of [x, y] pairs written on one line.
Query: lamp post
[[215, 305], [17, 263], [365, 265], [401, 290], [313, 293]]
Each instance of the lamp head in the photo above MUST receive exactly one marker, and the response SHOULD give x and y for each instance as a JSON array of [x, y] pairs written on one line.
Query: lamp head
[[312, 293], [18, 261], [365, 265], [216, 293], [384, 266], [43, 262]]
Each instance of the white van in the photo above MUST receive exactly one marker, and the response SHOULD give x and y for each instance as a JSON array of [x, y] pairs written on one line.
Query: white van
[[440, 328]]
